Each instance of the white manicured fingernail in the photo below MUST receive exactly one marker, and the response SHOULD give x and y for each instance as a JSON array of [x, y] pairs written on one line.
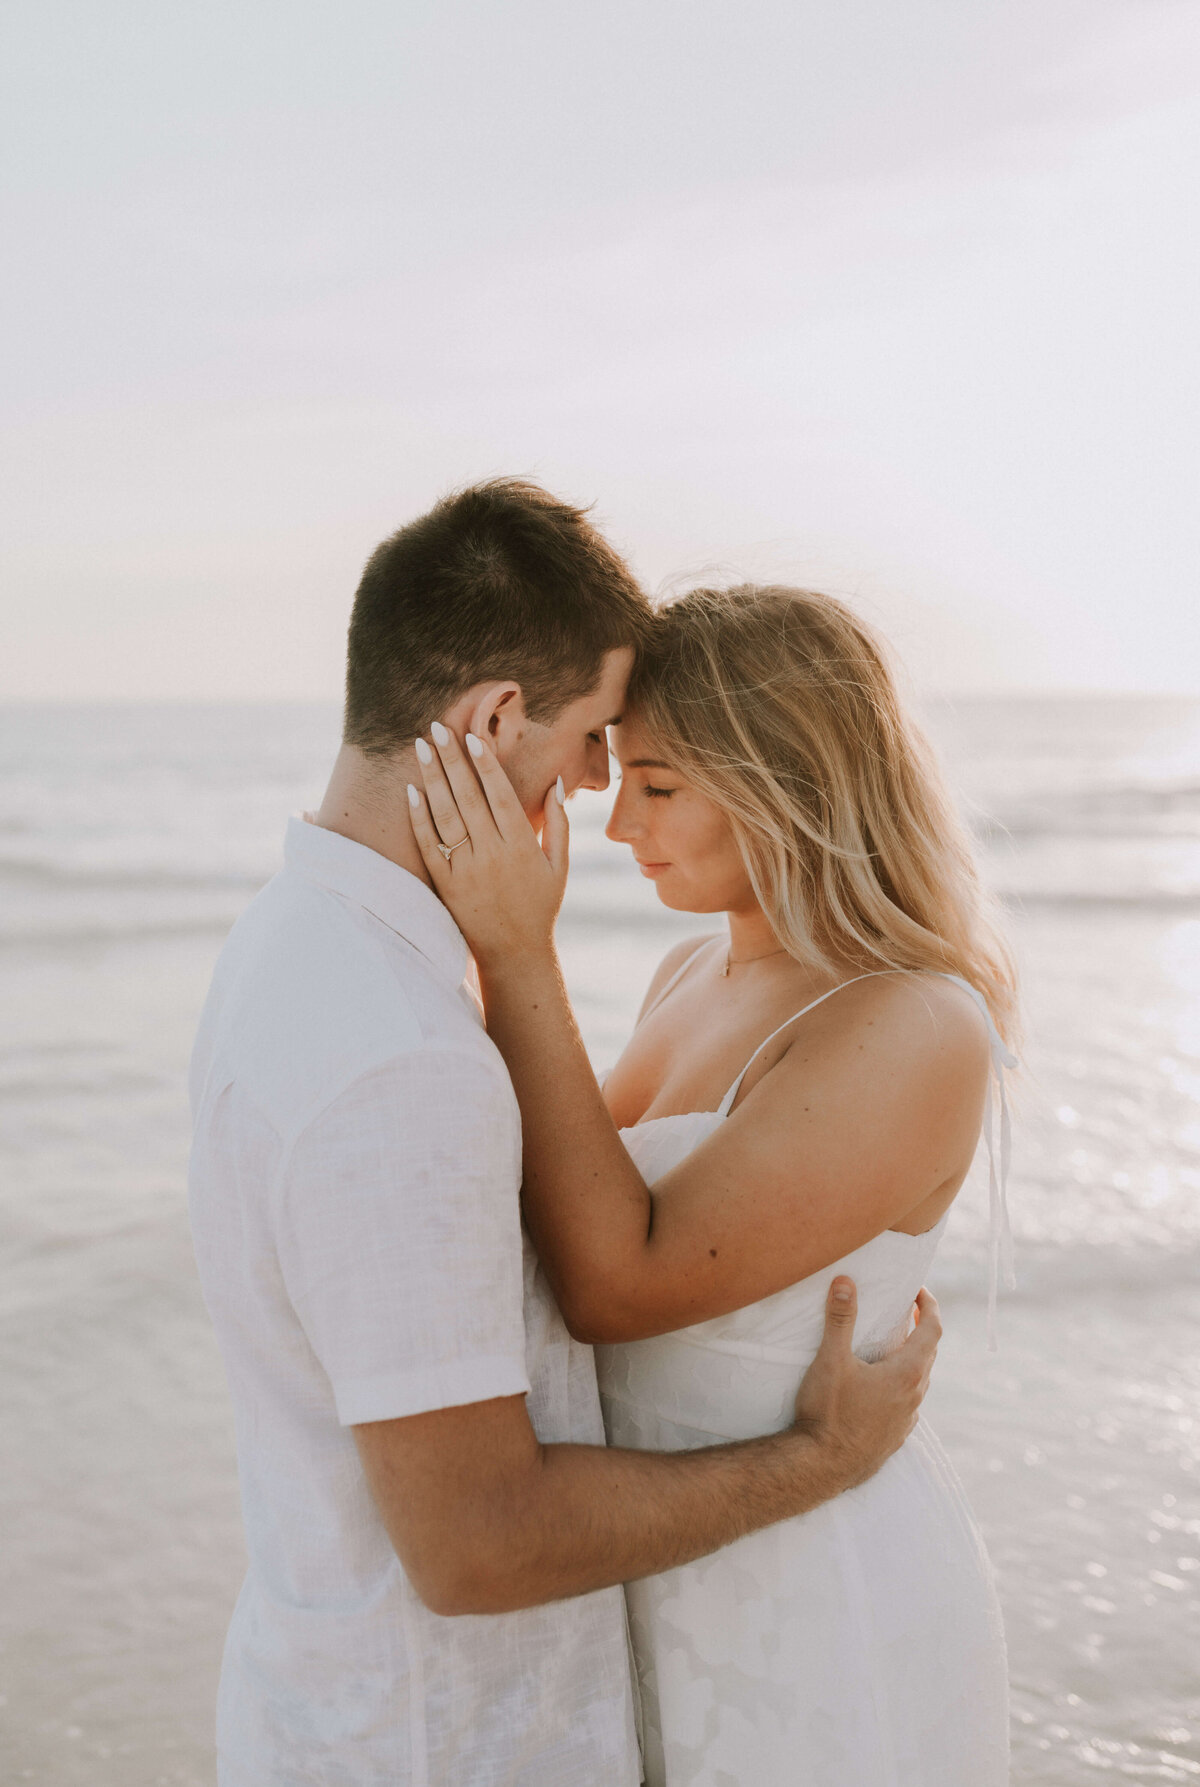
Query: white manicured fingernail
[[423, 751], [440, 735], [474, 745], [414, 799], [561, 792]]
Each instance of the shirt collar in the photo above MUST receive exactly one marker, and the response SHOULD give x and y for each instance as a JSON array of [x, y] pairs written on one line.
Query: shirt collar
[[391, 893]]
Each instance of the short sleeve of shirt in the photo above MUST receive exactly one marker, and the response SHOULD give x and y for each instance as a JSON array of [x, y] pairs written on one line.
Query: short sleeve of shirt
[[399, 1238]]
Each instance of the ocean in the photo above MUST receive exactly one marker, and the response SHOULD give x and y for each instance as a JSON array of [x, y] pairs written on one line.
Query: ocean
[[131, 838]]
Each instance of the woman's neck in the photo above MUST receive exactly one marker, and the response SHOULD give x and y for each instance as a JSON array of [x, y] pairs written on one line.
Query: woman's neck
[[750, 935], [752, 938]]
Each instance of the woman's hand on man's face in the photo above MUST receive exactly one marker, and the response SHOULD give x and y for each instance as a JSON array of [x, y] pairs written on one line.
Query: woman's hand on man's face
[[502, 887]]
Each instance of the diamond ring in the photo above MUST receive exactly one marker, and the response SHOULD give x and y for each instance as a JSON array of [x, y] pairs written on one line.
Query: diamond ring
[[448, 850]]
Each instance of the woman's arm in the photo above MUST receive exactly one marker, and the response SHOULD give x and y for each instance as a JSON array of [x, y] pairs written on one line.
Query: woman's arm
[[875, 1105], [867, 1115]]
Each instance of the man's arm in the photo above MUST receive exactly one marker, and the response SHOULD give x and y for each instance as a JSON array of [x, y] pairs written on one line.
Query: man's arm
[[485, 1519]]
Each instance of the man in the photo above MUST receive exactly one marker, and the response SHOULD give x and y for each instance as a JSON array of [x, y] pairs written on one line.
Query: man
[[436, 1533]]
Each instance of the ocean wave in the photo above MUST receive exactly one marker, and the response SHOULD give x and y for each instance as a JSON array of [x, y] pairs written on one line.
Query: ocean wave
[[77, 1083], [1129, 811], [1167, 900], [1050, 1272], [71, 936], [33, 872]]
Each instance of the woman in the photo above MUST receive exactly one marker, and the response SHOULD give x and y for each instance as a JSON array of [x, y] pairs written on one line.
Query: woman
[[759, 1135]]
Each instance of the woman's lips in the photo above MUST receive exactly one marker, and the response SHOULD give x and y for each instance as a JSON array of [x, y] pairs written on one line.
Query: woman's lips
[[652, 868]]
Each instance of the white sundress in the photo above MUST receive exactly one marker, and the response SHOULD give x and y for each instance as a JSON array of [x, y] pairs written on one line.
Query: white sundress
[[859, 1645]]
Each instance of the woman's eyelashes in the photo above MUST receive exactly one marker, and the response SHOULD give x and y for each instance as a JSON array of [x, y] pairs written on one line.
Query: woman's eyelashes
[[647, 787]]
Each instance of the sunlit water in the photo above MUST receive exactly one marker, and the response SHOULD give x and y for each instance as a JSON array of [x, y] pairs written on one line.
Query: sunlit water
[[129, 841]]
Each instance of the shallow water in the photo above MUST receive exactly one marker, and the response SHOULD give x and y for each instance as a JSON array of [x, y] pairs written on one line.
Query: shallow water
[[131, 838]]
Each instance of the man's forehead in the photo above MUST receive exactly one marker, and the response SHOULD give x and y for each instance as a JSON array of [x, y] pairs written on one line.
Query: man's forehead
[[608, 701], [618, 664]]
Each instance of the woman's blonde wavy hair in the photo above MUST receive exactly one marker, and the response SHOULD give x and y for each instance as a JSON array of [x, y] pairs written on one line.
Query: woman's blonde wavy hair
[[779, 706]]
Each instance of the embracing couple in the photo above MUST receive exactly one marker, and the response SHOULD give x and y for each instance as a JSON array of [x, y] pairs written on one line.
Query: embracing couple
[[636, 1488]]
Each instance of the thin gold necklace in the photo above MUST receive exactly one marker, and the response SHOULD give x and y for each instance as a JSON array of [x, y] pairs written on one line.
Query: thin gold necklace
[[743, 961]]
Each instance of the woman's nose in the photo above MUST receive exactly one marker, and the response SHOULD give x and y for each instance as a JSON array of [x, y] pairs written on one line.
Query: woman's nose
[[617, 828]]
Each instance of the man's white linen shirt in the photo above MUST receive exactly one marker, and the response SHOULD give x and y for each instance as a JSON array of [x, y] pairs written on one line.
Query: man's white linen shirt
[[354, 1195]]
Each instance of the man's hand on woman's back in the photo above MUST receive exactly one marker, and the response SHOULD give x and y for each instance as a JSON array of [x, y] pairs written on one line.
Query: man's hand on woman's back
[[860, 1414]]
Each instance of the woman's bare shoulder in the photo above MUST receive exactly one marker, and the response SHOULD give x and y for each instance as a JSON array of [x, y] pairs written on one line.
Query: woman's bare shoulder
[[943, 1010], [924, 1020], [882, 1088]]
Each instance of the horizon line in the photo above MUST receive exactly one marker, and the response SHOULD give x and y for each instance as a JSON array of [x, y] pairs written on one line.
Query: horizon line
[[1075, 692]]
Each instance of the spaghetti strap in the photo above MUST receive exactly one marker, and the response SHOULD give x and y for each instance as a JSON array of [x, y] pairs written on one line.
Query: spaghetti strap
[[1000, 1243], [727, 1102], [676, 977]]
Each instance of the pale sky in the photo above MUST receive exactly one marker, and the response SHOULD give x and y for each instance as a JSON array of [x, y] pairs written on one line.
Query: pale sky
[[895, 297]]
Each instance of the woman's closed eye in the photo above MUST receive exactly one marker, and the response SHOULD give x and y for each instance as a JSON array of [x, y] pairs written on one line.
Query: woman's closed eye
[[649, 788]]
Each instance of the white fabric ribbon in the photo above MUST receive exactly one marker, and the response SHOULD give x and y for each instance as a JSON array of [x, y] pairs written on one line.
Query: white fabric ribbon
[[1000, 1241]]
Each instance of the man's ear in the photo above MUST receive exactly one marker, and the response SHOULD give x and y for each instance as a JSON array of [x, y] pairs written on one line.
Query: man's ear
[[498, 714]]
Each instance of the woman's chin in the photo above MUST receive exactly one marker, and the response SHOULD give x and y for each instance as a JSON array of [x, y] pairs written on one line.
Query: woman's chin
[[674, 890], [682, 899]]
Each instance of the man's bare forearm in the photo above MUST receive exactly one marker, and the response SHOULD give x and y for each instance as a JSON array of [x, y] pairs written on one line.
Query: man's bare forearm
[[486, 1519], [586, 1517]]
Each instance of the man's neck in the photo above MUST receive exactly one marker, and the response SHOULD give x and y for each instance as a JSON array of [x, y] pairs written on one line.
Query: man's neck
[[367, 801]]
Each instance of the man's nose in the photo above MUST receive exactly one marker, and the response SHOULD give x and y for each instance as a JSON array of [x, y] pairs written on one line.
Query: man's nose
[[597, 775]]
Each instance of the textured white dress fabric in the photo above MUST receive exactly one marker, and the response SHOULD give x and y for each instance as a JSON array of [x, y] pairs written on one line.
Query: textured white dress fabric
[[860, 1645]]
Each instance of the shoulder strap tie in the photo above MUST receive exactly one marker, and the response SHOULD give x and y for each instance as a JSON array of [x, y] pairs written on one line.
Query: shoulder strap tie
[[1000, 1242]]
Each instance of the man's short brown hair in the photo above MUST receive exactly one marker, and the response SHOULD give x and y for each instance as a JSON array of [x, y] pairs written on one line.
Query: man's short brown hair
[[497, 582]]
